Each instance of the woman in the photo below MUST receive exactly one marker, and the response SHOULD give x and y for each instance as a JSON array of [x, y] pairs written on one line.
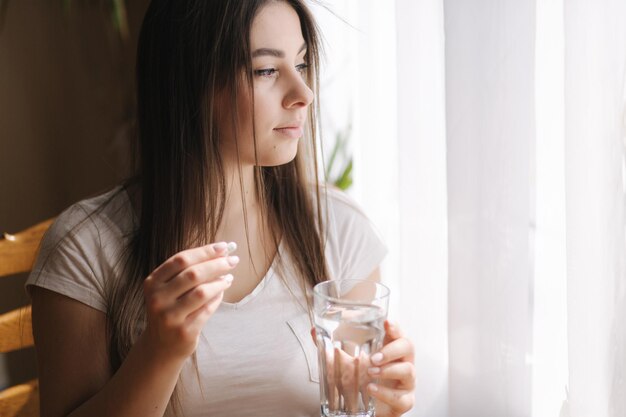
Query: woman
[[135, 311]]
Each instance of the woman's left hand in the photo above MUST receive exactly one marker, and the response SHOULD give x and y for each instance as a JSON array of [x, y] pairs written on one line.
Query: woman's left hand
[[393, 366]]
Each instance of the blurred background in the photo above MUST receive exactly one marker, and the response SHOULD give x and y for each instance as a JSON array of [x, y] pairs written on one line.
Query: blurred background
[[484, 138], [66, 102]]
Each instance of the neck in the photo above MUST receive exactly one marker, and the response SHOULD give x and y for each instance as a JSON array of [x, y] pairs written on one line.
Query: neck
[[241, 194], [252, 232], [240, 190]]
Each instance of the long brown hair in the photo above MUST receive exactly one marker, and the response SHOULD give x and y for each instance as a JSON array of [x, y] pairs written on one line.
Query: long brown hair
[[188, 50]]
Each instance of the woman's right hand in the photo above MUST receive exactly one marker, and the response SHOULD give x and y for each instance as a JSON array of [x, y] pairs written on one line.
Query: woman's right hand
[[181, 295]]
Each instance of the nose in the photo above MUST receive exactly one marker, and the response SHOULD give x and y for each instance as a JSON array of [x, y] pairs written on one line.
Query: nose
[[298, 94]]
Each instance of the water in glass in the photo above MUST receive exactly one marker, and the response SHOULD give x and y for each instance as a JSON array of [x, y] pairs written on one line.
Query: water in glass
[[347, 335]]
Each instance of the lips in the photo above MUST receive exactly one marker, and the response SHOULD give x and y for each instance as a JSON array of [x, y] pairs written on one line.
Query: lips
[[293, 132]]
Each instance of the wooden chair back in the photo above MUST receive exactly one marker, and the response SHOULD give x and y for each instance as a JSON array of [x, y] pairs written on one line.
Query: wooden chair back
[[17, 255]]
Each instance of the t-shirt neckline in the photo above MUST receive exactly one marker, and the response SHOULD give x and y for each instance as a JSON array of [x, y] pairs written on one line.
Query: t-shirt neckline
[[251, 295], [259, 287]]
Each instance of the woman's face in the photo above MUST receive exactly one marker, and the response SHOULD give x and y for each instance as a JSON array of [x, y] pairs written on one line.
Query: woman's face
[[281, 95]]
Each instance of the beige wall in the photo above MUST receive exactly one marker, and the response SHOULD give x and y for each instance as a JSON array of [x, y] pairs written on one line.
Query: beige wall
[[66, 88]]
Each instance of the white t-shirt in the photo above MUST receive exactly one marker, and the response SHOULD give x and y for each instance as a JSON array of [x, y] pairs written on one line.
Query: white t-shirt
[[255, 357]]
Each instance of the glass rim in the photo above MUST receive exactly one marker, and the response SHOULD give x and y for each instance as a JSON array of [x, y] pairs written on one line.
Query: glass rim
[[380, 297]]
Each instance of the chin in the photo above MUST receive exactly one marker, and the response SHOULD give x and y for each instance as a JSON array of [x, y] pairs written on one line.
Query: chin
[[276, 162], [278, 158]]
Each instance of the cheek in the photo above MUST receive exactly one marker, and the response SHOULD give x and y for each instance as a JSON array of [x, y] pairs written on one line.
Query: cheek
[[244, 110], [266, 110]]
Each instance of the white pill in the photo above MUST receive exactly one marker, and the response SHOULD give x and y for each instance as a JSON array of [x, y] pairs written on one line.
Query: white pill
[[231, 247]]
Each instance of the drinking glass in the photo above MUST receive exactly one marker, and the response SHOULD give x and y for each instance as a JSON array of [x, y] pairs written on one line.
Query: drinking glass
[[349, 320]]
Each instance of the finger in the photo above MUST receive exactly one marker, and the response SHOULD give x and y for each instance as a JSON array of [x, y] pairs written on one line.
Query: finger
[[399, 349], [392, 332], [197, 318], [194, 300], [333, 390], [402, 372], [193, 324], [198, 274], [184, 259], [400, 401], [165, 295], [364, 377], [350, 383], [314, 335]]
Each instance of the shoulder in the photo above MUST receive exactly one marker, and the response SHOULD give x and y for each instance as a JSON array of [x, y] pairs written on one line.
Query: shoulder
[[340, 203], [83, 247], [335, 204], [94, 230], [342, 215], [110, 211], [353, 244]]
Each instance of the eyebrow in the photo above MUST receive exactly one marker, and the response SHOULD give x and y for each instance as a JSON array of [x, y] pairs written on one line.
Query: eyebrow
[[273, 52]]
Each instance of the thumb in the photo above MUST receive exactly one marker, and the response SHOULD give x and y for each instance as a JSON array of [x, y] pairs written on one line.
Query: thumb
[[392, 332]]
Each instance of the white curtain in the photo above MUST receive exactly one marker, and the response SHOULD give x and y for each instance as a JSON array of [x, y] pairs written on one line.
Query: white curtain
[[490, 120], [488, 138], [595, 58]]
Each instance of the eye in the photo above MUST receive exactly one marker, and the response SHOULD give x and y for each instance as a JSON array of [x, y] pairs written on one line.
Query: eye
[[302, 68], [266, 72]]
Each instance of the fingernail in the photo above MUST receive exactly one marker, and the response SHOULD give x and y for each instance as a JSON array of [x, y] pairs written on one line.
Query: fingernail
[[231, 247], [373, 371], [219, 247], [373, 387], [228, 278], [232, 260], [377, 358]]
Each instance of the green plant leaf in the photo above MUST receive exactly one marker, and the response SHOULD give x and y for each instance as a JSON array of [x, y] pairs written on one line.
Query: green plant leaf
[[119, 17], [345, 180], [339, 143]]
